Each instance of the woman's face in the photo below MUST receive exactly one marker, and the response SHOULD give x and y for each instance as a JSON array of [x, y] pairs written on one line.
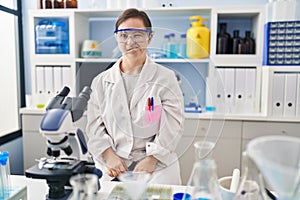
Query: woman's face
[[134, 38]]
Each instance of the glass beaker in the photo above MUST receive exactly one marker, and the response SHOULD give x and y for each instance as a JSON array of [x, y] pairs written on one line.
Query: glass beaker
[[203, 182], [252, 183], [85, 186]]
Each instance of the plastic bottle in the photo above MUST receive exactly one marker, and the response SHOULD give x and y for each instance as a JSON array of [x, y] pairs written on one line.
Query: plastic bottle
[[164, 46], [235, 41], [172, 46], [198, 35], [223, 40], [203, 182], [250, 43], [182, 46]]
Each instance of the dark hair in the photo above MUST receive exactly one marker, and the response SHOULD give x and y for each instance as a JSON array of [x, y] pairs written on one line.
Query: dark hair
[[134, 13]]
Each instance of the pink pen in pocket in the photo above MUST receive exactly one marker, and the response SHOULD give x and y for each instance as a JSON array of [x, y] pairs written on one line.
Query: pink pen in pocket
[[153, 112]]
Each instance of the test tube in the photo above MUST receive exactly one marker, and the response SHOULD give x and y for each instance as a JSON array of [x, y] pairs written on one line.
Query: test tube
[[4, 173]]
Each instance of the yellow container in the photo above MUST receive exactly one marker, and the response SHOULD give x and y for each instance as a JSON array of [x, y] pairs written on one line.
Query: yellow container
[[198, 39]]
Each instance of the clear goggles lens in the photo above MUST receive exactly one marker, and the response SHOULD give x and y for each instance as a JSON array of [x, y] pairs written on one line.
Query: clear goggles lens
[[136, 35]]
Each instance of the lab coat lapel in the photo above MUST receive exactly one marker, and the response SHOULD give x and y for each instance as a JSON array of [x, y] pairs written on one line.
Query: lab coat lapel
[[119, 102], [144, 82]]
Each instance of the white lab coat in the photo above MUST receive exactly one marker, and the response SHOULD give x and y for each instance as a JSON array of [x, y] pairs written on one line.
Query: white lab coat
[[112, 123]]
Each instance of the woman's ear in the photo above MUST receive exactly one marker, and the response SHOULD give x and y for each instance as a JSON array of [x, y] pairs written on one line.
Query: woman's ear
[[150, 37]]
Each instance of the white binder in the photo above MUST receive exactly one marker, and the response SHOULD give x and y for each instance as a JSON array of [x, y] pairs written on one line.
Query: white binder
[[66, 76], [40, 80], [278, 94], [220, 92], [229, 89], [289, 108], [298, 96], [240, 89], [57, 72], [49, 85], [250, 90]]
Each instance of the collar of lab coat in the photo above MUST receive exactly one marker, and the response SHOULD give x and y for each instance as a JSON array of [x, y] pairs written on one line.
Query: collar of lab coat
[[147, 73]]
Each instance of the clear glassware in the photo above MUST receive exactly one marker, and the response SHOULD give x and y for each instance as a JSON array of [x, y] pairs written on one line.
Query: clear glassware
[[85, 186], [252, 183], [203, 182]]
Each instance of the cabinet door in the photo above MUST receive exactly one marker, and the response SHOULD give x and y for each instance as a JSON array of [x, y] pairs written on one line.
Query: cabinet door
[[252, 130], [226, 152]]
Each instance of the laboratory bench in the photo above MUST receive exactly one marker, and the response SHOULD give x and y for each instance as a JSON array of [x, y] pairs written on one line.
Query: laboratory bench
[[38, 188], [230, 132]]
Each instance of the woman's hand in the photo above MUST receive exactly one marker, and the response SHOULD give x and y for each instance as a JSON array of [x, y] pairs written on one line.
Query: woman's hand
[[148, 164], [115, 165]]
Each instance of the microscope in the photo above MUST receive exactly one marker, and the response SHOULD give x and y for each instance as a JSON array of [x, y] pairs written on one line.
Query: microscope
[[59, 128]]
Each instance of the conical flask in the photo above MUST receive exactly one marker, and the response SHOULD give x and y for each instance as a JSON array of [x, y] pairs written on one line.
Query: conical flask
[[252, 184], [203, 182]]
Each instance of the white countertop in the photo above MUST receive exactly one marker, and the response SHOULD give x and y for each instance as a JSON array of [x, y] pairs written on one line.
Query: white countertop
[[37, 189], [215, 116]]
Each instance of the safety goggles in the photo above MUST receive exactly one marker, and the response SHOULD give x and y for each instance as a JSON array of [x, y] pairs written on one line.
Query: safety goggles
[[136, 35]]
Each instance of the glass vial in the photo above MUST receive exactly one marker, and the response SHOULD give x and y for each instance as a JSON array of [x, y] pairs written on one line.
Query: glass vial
[[203, 182], [71, 3]]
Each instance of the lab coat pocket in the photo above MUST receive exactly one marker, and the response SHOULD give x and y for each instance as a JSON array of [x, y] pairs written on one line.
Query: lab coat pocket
[[153, 115]]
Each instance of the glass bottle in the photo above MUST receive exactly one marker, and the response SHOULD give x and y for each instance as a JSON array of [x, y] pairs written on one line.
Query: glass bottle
[[223, 40], [59, 4], [203, 182], [242, 47], [251, 186], [250, 43], [48, 4], [235, 41], [71, 3]]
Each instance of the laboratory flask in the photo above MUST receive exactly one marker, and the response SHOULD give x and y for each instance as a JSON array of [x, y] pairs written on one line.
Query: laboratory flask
[[252, 183], [203, 182], [85, 187]]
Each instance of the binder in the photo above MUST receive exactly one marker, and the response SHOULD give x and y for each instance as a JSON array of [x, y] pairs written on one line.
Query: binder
[[220, 92], [240, 89], [49, 79], [289, 108], [66, 76], [229, 89], [40, 80], [278, 93], [298, 96], [57, 75], [250, 90]]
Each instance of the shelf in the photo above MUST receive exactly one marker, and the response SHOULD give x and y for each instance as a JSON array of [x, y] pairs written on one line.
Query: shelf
[[237, 60], [104, 60], [158, 12]]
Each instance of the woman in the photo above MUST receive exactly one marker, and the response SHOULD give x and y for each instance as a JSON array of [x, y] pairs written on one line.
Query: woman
[[135, 114]]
